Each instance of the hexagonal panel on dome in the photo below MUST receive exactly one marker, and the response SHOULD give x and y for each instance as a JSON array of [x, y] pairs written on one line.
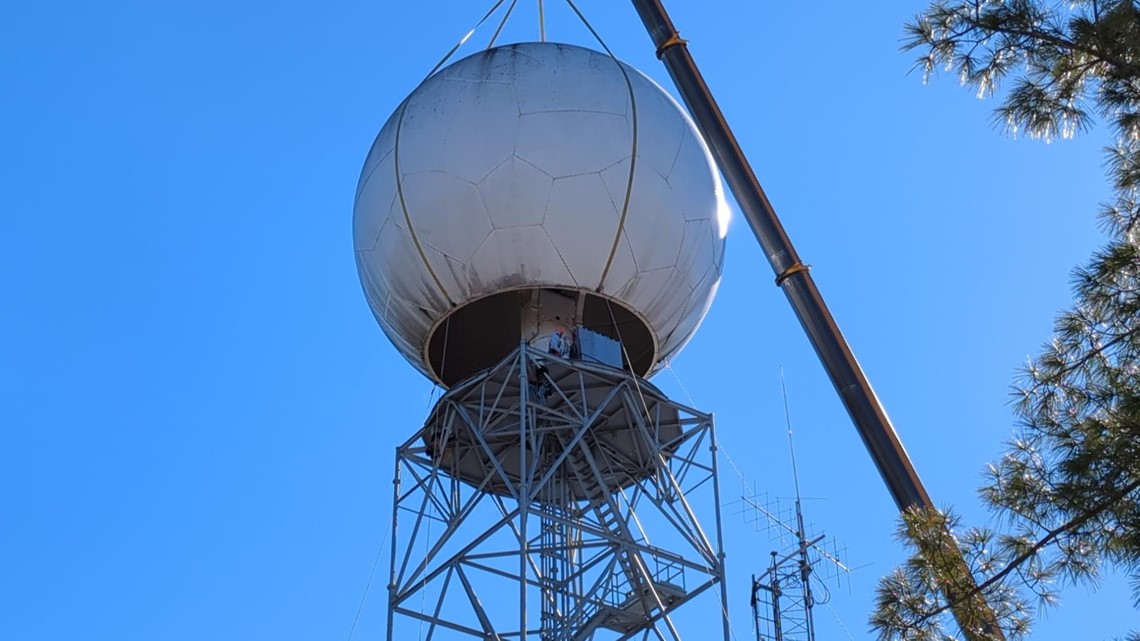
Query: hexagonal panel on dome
[[381, 168], [421, 129], [380, 300], [693, 181], [698, 304], [498, 65], [654, 225], [515, 194], [410, 291], [366, 228], [372, 279], [481, 129], [452, 273], [382, 147], [585, 81], [567, 143], [660, 294], [659, 136], [395, 245], [582, 222], [697, 249], [517, 257], [446, 213], [407, 313], [669, 308]]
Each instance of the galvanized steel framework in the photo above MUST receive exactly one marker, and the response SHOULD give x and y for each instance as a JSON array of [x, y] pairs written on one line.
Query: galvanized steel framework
[[556, 500]]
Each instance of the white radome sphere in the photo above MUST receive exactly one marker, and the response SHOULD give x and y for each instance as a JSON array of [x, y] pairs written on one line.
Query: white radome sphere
[[509, 171]]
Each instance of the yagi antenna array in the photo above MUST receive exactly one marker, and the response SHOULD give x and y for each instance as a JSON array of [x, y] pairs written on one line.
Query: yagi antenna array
[[801, 567]]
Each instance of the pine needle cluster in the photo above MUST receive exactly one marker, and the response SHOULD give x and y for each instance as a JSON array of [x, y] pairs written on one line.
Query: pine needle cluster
[[1067, 487]]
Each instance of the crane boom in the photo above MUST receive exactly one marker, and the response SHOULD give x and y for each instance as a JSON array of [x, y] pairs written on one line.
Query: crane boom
[[794, 278]]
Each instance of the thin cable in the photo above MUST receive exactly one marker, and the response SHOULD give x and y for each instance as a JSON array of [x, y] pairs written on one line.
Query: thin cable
[[443, 357], [502, 23], [791, 446], [431, 396], [732, 463], [839, 621], [669, 366], [724, 612], [363, 597], [720, 446], [541, 22], [464, 39]]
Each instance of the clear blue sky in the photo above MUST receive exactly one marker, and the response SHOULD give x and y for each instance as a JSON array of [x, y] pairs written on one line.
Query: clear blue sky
[[198, 413]]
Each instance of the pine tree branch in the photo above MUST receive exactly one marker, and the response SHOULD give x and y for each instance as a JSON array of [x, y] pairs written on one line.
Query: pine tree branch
[[1049, 538], [1052, 39], [1081, 362]]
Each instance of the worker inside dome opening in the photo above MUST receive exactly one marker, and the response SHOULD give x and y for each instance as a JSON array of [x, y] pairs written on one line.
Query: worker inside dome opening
[[560, 342]]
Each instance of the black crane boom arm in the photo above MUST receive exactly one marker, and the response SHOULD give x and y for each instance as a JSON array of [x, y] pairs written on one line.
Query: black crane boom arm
[[973, 614]]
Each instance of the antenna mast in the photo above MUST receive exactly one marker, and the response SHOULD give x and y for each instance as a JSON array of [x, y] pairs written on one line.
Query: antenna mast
[[782, 598]]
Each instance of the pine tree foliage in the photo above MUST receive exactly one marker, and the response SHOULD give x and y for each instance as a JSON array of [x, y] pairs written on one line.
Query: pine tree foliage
[[1067, 487]]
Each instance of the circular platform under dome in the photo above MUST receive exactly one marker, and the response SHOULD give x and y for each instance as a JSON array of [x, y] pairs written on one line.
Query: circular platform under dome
[[536, 185]]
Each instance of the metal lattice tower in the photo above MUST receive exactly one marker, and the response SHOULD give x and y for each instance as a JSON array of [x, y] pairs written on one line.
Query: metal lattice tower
[[554, 499], [795, 581], [782, 598], [783, 595]]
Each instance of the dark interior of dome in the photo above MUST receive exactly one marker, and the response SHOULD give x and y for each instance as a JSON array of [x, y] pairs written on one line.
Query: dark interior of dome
[[479, 334]]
